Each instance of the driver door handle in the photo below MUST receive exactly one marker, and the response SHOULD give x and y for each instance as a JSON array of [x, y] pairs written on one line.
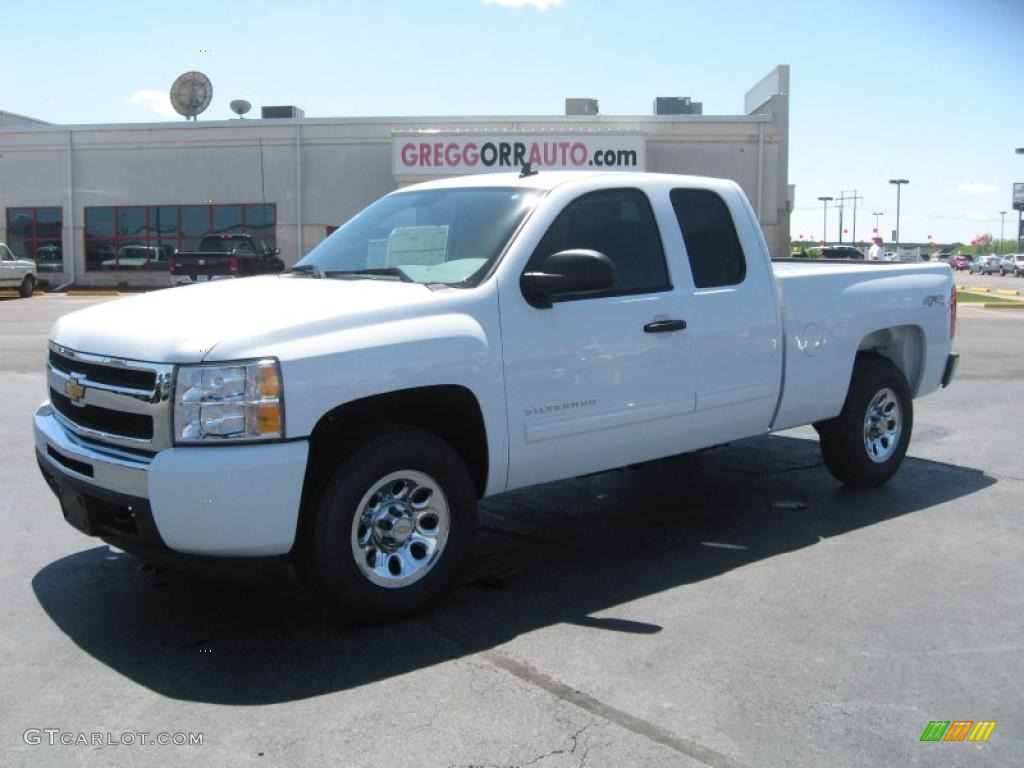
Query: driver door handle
[[665, 326]]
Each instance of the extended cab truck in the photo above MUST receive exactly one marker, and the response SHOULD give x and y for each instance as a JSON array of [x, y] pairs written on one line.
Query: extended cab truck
[[458, 339], [234, 255]]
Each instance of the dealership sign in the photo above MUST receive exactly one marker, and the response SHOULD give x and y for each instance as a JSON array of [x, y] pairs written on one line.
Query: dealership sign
[[448, 155], [1018, 197]]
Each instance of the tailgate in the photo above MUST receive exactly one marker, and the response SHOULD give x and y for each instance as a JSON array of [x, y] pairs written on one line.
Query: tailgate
[[203, 266]]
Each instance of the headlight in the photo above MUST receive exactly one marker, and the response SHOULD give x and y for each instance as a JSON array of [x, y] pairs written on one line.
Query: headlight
[[228, 401]]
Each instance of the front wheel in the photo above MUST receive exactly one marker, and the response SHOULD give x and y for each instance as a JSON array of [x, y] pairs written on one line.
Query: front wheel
[[392, 529], [27, 287], [865, 444]]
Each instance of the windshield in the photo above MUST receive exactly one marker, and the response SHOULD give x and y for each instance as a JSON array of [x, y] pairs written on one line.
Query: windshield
[[449, 236]]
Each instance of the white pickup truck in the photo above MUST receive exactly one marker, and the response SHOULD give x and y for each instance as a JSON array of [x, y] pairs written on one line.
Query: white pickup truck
[[458, 339], [17, 273]]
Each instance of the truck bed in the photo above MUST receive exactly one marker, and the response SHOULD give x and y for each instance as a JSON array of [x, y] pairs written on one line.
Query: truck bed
[[832, 309]]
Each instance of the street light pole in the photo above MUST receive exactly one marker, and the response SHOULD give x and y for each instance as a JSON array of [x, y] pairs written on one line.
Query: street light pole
[[876, 214], [1002, 230], [824, 218], [853, 239], [843, 197], [899, 183], [1020, 231]]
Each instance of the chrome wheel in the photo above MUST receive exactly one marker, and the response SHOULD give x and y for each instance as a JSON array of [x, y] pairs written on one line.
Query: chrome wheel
[[883, 425], [401, 528]]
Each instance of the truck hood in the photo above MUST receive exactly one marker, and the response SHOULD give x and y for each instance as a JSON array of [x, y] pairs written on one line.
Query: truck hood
[[187, 324]]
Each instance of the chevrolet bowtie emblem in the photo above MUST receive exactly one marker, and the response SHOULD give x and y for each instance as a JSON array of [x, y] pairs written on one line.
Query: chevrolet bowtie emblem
[[75, 390]]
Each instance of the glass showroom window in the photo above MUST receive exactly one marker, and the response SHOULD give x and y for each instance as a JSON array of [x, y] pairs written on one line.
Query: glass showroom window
[[35, 233], [136, 237]]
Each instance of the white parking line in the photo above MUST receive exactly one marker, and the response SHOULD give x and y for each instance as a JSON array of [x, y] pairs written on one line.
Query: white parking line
[[990, 313]]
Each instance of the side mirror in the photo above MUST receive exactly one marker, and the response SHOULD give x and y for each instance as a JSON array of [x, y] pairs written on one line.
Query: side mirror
[[568, 273], [277, 251]]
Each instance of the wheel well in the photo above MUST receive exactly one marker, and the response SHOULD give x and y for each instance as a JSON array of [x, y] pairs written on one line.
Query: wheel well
[[450, 412], [903, 346]]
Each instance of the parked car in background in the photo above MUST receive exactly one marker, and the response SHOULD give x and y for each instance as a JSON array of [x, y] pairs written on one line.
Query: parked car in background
[[49, 258], [17, 273], [960, 261], [226, 255], [987, 264], [1012, 264], [133, 257]]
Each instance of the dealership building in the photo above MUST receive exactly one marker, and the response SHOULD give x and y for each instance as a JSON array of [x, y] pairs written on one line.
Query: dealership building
[[78, 198]]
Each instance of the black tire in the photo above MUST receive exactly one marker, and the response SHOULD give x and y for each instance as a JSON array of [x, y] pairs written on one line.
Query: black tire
[[845, 439], [325, 553], [27, 287]]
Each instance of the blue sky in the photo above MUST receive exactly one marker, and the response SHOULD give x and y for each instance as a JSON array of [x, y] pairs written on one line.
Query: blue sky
[[928, 91]]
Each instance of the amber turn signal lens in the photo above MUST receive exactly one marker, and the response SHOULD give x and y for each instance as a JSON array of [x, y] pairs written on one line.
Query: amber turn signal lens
[[270, 382], [269, 419]]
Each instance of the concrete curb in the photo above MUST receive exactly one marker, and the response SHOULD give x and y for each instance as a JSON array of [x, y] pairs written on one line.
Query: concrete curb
[[1007, 292], [87, 292], [977, 289], [1012, 305]]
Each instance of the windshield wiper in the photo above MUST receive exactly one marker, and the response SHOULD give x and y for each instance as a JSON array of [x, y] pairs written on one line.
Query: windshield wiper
[[306, 269], [385, 271]]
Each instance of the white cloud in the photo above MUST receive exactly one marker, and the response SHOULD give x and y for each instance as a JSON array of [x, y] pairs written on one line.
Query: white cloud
[[154, 102], [977, 188], [540, 5]]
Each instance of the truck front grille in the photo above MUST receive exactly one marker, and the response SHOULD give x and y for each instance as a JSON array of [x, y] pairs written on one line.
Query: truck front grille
[[114, 423], [104, 374], [122, 403]]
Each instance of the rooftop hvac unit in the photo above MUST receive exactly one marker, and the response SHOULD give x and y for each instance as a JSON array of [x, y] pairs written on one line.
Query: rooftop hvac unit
[[581, 106], [272, 113], [677, 105]]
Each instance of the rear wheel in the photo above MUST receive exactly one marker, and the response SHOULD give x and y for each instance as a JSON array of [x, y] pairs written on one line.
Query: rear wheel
[[27, 287], [392, 529], [865, 444]]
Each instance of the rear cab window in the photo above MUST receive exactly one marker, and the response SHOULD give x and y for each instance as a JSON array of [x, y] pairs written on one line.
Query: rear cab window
[[712, 245]]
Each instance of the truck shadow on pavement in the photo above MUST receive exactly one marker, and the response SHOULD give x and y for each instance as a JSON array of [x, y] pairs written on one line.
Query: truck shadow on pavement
[[553, 554]]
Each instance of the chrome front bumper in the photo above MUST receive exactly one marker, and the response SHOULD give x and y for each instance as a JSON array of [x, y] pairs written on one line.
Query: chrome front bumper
[[105, 467], [228, 501]]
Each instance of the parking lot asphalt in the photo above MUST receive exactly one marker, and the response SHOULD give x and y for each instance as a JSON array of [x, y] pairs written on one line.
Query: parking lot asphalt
[[734, 608], [992, 282]]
